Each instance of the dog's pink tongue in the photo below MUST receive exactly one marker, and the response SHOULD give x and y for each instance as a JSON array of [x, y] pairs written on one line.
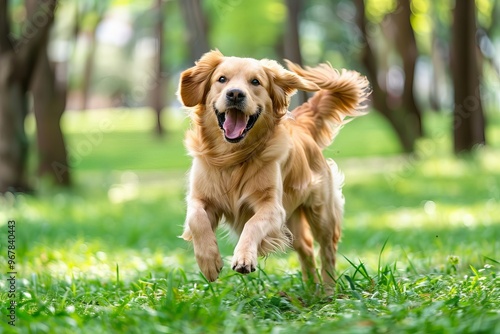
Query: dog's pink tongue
[[235, 123]]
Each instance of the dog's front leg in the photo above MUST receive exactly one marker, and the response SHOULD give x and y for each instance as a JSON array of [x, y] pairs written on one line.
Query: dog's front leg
[[265, 227], [200, 226]]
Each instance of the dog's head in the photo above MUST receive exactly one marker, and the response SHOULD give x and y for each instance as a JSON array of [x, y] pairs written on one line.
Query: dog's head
[[241, 94]]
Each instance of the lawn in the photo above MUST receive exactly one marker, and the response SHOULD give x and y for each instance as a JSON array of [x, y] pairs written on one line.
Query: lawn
[[420, 249]]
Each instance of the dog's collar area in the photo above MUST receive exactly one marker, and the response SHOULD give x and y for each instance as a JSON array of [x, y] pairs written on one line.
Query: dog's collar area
[[221, 118]]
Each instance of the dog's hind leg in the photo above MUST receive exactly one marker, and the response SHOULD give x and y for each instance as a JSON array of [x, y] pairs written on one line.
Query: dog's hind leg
[[323, 228], [324, 212], [303, 244]]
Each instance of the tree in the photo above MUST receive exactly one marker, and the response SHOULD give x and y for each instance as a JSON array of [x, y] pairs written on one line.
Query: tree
[[18, 60], [95, 11], [407, 48], [157, 101], [49, 102], [197, 28], [402, 111], [468, 116], [292, 39]]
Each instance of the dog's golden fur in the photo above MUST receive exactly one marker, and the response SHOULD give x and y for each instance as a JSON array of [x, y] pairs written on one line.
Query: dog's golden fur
[[268, 180]]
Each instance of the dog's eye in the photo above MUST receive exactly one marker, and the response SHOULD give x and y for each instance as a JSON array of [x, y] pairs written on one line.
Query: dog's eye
[[255, 82], [222, 79]]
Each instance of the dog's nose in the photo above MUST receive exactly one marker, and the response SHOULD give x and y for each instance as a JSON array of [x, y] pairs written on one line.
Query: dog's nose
[[235, 95]]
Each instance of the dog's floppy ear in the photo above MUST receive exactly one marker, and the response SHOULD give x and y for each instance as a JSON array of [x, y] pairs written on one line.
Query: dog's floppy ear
[[195, 81], [283, 84]]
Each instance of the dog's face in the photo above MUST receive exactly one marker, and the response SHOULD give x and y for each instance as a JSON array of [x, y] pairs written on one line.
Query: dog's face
[[243, 95], [238, 96]]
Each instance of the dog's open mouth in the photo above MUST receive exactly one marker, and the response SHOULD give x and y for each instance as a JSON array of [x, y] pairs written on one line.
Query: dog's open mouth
[[235, 123]]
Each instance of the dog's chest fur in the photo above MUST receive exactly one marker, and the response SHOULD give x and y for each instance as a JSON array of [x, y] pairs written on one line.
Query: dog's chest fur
[[233, 192]]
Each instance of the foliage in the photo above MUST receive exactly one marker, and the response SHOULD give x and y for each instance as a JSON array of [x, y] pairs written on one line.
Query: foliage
[[246, 28], [419, 252]]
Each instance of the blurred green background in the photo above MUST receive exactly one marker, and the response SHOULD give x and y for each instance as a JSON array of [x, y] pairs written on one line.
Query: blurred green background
[[93, 168]]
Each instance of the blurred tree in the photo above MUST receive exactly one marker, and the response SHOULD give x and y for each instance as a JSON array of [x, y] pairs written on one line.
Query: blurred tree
[[468, 113], [49, 102], [439, 47], [13, 108], [292, 39], [18, 60], [197, 28], [175, 55], [157, 101], [401, 111], [407, 47], [24, 64], [89, 15]]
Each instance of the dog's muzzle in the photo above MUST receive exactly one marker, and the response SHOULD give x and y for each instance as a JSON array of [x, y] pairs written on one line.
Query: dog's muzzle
[[235, 123]]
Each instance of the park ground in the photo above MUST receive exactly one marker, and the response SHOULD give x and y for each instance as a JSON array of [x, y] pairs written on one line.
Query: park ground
[[420, 249]]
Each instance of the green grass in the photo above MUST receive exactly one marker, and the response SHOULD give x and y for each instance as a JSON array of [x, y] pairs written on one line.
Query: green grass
[[420, 250]]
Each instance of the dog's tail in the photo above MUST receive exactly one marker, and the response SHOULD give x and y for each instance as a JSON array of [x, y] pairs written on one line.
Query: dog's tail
[[342, 96]]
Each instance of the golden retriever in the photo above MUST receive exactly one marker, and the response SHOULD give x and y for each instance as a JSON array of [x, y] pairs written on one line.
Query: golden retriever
[[259, 167]]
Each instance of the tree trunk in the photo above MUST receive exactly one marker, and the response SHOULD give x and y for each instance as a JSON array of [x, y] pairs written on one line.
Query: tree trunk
[[13, 141], [49, 104], [405, 123], [17, 62], [468, 113], [407, 48], [197, 28], [89, 68], [157, 102], [292, 39], [13, 110], [98, 9]]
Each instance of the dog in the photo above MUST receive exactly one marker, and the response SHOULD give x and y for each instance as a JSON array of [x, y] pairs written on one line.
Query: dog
[[259, 167]]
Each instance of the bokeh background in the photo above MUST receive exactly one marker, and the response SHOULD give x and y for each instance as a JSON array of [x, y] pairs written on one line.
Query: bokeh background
[[422, 58], [93, 167]]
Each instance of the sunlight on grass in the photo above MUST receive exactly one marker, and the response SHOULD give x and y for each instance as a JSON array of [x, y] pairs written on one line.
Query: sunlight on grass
[[133, 219], [442, 206], [421, 237]]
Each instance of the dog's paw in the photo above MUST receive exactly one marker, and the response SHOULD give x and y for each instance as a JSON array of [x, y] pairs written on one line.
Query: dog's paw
[[244, 262], [210, 263]]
